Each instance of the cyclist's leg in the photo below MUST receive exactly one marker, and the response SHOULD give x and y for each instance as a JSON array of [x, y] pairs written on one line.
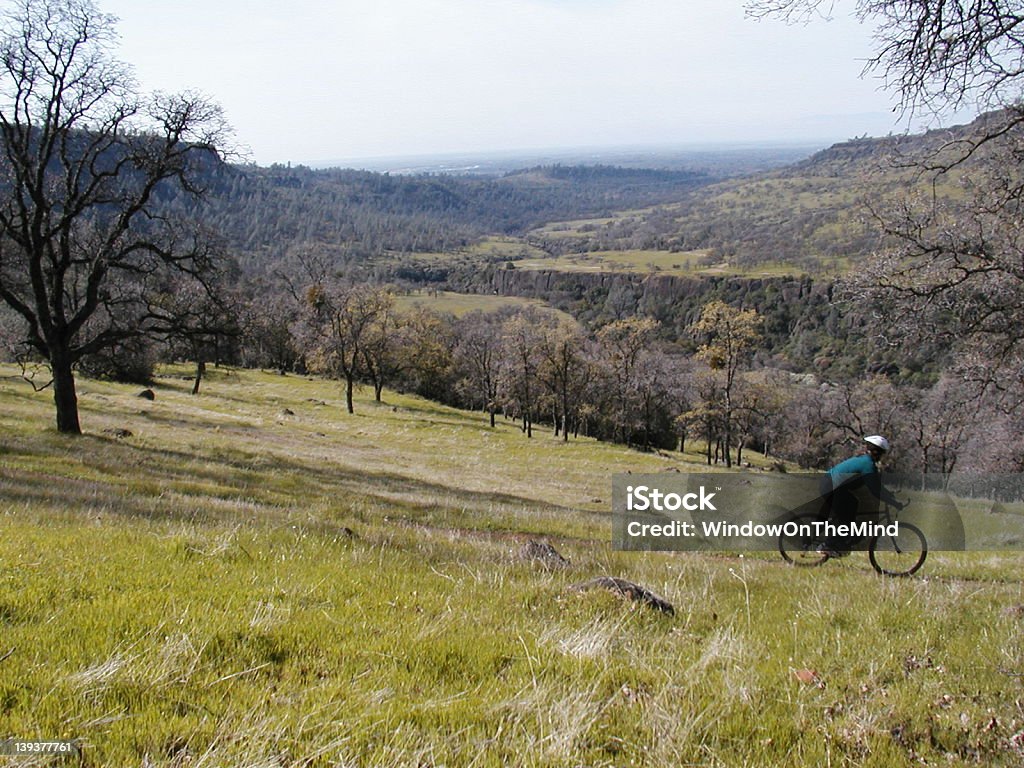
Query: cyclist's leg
[[843, 512]]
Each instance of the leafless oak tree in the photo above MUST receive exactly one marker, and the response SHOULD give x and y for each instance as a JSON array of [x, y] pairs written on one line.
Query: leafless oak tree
[[83, 163], [343, 322], [954, 279], [933, 54]]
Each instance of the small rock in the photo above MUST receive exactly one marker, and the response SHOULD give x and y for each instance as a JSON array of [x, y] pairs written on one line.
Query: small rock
[[542, 553], [147, 394], [629, 590]]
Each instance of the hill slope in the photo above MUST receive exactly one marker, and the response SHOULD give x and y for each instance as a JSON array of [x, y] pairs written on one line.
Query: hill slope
[[252, 578], [814, 215], [263, 212]]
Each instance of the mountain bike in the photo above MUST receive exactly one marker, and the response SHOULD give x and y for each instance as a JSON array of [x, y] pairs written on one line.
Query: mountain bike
[[899, 552]]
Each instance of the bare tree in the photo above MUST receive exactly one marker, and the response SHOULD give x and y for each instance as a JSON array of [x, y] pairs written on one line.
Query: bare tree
[[622, 344], [953, 282], [652, 388], [521, 338], [269, 319], [342, 324], [933, 54], [83, 163], [381, 348], [478, 354], [565, 372], [196, 324], [808, 436], [940, 421], [704, 417], [728, 338]]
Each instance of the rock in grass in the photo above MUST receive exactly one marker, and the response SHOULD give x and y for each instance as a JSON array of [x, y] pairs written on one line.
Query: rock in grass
[[543, 554], [809, 677], [627, 589], [147, 394]]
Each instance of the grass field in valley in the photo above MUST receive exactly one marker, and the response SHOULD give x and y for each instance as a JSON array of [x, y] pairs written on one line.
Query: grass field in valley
[[687, 263], [460, 304], [254, 578]]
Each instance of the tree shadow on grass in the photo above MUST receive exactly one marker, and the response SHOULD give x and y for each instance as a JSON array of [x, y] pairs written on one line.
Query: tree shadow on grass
[[132, 480]]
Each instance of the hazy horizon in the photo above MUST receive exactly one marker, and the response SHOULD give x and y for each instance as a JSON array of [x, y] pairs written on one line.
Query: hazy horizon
[[744, 156], [316, 83]]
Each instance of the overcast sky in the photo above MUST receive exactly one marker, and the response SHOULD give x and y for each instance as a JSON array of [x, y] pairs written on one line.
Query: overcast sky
[[315, 81]]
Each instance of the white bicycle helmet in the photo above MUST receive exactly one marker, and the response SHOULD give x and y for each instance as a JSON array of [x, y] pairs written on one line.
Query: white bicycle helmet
[[879, 442]]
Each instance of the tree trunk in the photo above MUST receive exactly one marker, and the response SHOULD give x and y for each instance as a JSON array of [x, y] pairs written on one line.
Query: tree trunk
[[200, 370], [350, 386], [64, 396]]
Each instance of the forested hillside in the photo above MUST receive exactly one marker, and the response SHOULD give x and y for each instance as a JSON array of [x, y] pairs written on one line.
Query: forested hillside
[[817, 215], [264, 211]]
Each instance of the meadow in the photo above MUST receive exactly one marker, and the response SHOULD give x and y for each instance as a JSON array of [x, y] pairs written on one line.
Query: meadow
[[647, 262], [251, 577], [459, 304]]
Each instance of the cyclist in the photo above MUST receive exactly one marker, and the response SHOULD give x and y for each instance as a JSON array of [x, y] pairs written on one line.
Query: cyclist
[[841, 486]]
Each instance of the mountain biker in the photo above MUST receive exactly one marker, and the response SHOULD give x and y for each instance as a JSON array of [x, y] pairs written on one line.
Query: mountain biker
[[841, 490]]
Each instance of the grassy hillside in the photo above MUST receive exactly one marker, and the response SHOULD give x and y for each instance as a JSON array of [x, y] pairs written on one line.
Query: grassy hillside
[[254, 578], [813, 216]]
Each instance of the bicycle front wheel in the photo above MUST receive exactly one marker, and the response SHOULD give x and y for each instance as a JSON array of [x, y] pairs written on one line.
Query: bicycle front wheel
[[899, 555], [797, 546]]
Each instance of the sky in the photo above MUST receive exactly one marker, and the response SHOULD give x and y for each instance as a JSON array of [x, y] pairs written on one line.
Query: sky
[[321, 81]]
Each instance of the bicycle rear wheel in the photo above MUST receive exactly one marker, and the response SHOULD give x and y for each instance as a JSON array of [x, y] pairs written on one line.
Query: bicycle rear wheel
[[899, 555], [799, 547]]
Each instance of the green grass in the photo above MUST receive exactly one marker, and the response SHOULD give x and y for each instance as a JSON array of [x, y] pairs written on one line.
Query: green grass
[[459, 304], [255, 578], [617, 261], [503, 248], [645, 262]]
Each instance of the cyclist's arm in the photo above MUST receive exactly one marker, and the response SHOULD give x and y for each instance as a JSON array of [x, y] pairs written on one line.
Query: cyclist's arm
[[880, 492]]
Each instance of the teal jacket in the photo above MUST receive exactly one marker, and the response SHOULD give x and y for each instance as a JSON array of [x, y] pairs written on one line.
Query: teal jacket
[[862, 466], [859, 471]]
